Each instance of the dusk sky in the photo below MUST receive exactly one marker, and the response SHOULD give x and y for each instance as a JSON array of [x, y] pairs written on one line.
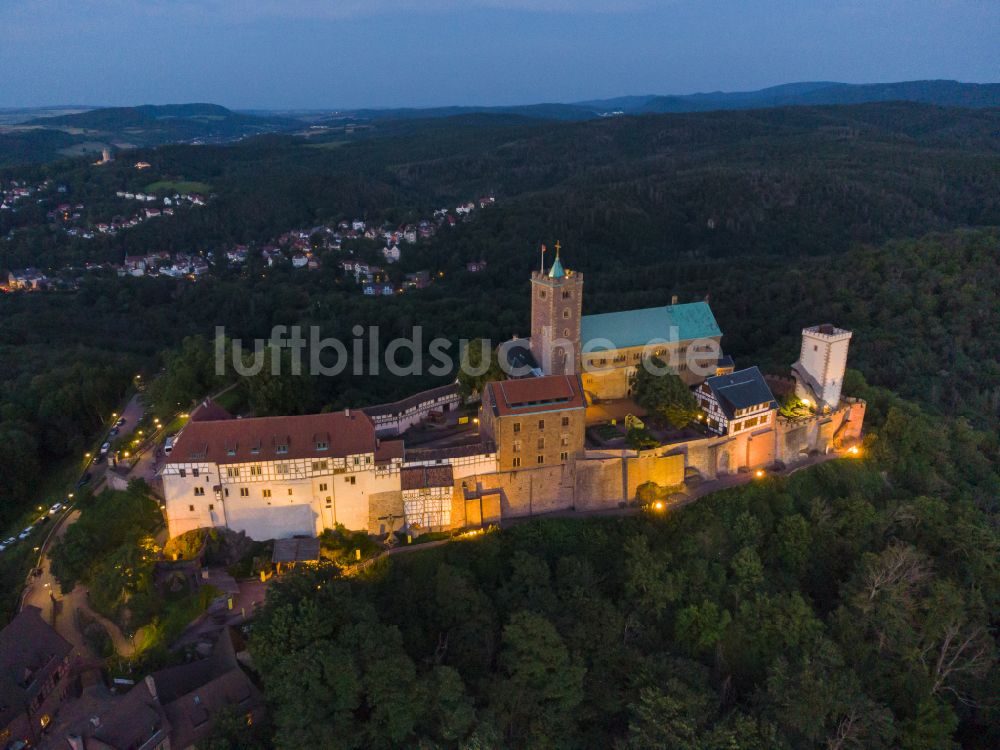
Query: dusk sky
[[355, 53]]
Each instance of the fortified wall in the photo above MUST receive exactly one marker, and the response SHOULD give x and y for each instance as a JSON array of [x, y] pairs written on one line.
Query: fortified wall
[[606, 479]]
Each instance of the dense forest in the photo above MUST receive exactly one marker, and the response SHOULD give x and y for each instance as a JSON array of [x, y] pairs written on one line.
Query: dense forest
[[850, 606], [853, 605], [789, 182]]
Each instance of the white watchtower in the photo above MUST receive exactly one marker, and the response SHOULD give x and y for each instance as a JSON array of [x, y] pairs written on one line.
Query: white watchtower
[[819, 372]]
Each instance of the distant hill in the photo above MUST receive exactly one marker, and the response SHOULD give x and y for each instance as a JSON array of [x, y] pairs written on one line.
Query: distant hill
[[46, 138], [942, 93]]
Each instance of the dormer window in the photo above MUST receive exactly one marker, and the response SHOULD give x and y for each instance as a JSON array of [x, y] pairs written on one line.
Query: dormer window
[[322, 445], [281, 448]]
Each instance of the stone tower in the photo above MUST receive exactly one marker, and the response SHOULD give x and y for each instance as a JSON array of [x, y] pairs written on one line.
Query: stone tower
[[556, 305], [819, 373]]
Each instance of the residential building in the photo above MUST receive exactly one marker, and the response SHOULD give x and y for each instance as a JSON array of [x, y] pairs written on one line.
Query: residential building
[[34, 677], [737, 401]]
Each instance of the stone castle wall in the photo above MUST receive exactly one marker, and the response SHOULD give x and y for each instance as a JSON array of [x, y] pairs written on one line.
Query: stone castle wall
[[605, 479]]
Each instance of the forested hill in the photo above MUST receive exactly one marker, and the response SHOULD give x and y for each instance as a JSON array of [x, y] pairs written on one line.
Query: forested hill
[[47, 138], [791, 182], [938, 92]]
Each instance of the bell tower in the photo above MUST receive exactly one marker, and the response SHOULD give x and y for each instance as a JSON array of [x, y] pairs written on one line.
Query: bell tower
[[556, 305]]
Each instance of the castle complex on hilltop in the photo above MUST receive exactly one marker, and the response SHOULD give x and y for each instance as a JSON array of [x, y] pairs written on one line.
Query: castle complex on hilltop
[[275, 477]]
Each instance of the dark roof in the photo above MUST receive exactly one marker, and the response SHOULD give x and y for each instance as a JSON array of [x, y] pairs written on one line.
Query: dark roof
[[179, 701], [403, 405], [725, 361], [519, 355], [419, 477], [232, 441], [740, 390], [30, 650], [295, 549], [455, 451], [129, 722], [531, 395]]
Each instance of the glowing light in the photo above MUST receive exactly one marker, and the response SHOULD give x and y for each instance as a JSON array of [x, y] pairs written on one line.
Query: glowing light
[[658, 505], [125, 454], [806, 402], [854, 450], [759, 473]]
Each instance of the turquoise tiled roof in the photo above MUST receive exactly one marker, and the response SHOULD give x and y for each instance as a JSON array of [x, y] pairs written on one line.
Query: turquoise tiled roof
[[640, 327], [556, 272]]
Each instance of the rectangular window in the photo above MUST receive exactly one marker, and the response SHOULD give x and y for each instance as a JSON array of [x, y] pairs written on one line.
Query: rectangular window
[[281, 468], [199, 491], [230, 451], [517, 429], [211, 506], [182, 472], [516, 461], [564, 441], [226, 492], [319, 465], [232, 471], [541, 443], [539, 459], [350, 480], [289, 490], [281, 449], [541, 424], [255, 471], [563, 456], [191, 508], [267, 493], [244, 492], [565, 421], [194, 472], [322, 488], [357, 460], [322, 445], [516, 445]]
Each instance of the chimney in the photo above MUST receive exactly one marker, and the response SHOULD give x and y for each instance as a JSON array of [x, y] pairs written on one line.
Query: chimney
[[347, 412], [673, 300]]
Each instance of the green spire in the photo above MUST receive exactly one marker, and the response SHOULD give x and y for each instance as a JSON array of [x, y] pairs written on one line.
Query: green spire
[[557, 272]]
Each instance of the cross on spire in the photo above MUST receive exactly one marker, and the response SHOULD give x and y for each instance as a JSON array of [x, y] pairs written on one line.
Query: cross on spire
[[558, 245]]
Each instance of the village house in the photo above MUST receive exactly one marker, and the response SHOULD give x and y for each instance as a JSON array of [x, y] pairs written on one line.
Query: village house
[[34, 677]]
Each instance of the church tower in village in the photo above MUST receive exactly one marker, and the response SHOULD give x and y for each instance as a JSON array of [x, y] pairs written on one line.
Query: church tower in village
[[556, 305]]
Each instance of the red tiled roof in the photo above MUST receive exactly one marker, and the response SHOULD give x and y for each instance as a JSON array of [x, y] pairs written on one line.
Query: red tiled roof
[[529, 395], [419, 477], [387, 450], [231, 441], [209, 411]]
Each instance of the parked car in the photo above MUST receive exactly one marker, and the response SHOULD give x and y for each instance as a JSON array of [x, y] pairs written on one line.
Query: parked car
[[84, 479], [120, 422], [9, 541], [55, 509], [105, 448], [114, 431], [168, 445], [25, 534], [3, 547]]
